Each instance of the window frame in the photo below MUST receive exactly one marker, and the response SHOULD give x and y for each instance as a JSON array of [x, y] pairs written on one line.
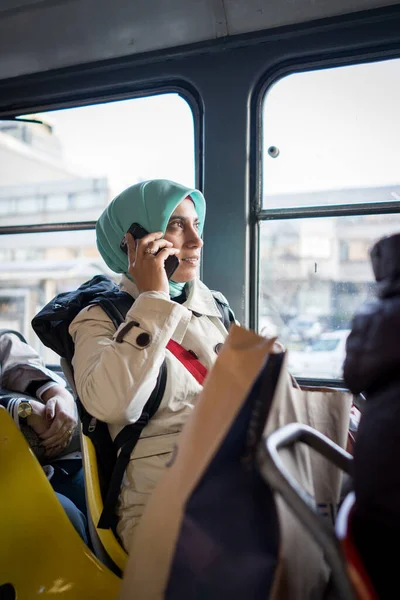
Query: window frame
[[186, 91], [259, 214]]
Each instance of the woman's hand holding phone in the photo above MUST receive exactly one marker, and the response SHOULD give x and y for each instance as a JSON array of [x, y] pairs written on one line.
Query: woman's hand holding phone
[[146, 258]]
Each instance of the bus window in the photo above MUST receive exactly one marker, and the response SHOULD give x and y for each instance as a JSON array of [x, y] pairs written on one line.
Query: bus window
[[331, 189], [37, 266], [65, 168]]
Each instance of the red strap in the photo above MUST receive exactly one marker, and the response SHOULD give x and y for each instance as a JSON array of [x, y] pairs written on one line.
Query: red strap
[[192, 364]]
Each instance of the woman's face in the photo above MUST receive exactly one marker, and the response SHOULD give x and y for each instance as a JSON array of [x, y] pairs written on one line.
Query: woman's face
[[183, 232]]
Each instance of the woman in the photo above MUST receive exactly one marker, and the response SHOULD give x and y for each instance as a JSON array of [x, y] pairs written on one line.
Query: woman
[[116, 371]]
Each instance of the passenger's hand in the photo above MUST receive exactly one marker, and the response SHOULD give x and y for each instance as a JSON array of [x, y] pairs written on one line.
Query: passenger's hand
[[60, 413], [278, 347], [145, 265], [37, 420]]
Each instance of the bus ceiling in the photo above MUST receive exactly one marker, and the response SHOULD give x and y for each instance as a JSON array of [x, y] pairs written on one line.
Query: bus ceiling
[[41, 35]]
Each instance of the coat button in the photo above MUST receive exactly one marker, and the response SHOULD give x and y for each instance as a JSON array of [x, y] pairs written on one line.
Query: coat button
[[143, 339], [218, 348]]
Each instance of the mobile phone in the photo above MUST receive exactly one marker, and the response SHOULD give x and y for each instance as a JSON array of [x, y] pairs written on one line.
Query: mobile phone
[[137, 231]]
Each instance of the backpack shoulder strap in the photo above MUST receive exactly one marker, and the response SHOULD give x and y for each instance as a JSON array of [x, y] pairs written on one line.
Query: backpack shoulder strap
[[17, 333], [226, 312], [125, 442], [115, 304]]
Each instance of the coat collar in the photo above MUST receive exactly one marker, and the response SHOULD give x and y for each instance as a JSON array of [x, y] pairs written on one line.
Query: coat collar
[[199, 298]]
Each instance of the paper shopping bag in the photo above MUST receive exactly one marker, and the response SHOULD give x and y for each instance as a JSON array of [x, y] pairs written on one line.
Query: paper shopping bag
[[211, 528], [175, 552]]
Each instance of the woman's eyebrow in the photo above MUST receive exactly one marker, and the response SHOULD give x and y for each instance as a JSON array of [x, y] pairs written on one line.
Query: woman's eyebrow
[[182, 218]]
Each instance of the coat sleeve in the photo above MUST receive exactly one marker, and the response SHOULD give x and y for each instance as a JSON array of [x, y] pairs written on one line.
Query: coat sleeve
[[22, 366], [116, 371], [11, 405]]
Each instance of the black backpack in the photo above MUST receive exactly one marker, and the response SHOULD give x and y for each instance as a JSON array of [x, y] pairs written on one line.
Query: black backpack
[[51, 325]]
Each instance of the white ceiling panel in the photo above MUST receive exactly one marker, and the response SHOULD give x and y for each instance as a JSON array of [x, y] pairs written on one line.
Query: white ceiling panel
[[254, 15], [55, 35], [39, 35]]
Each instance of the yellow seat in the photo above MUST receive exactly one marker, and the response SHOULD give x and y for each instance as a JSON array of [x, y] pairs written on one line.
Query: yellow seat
[[94, 501], [105, 544], [41, 554]]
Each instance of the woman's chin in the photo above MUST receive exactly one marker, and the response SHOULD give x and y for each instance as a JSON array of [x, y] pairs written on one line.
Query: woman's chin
[[184, 273]]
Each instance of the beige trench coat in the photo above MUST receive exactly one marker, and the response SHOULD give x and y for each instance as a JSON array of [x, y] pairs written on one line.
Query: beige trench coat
[[114, 379]]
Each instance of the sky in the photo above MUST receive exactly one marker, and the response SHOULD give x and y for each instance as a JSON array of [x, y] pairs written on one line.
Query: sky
[[130, 140], [334, 128]]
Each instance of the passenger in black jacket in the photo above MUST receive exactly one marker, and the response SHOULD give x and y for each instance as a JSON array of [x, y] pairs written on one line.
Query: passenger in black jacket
[[372, 366]]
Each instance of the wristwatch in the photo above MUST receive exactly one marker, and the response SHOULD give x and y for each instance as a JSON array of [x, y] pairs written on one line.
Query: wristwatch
[[24, 409]]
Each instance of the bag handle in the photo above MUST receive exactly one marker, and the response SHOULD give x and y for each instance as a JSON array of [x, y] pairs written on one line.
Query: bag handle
[[294, 382]]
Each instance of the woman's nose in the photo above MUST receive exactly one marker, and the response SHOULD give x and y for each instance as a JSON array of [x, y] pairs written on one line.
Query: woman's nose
[[193, 239], [196, 240]]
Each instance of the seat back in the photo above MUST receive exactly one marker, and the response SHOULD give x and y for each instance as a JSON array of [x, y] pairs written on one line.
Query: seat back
[[41, 554], [105, 544], [68, 374]]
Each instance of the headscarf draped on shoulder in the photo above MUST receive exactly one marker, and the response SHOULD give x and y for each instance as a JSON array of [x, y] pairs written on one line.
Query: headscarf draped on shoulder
[[149, 203]]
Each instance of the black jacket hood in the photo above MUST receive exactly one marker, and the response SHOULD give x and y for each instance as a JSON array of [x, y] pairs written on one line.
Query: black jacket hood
[[373, 346]]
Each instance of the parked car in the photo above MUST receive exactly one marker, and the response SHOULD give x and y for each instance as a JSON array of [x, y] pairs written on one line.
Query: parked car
[[304, 329], [323, 358]]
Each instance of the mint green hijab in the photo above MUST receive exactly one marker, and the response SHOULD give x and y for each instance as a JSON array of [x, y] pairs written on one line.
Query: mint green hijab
[[149, 203]]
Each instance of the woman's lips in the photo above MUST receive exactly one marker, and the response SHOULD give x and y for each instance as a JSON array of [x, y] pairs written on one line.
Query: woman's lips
[[192, 260]]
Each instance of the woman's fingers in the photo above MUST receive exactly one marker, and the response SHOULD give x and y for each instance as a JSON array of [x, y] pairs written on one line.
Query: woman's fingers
[[54, 429], [148, 239], [156, 246], [149, 244], [164, 253], [59, 436], [50, 409], [146, 261], [55, 440], [56, 444]]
